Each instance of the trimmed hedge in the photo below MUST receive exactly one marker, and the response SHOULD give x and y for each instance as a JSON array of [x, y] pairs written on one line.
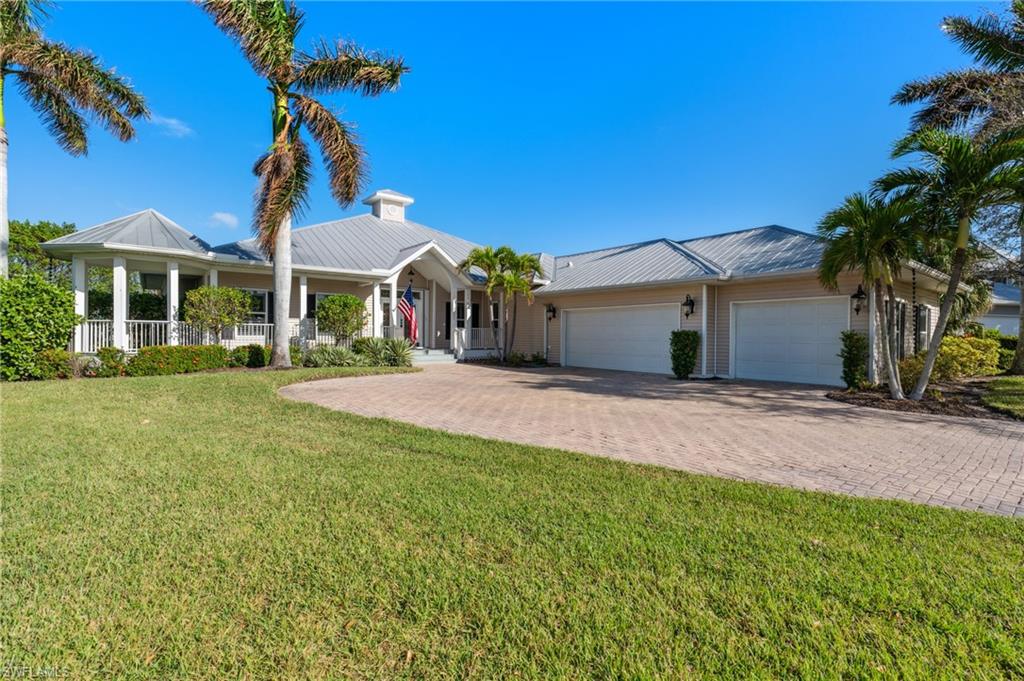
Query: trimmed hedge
[[35, 315], [255, 356], [683, 347], [959, 357], [163, 360], [855, 359]]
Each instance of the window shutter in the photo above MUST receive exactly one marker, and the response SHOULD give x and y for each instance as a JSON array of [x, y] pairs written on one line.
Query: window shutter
[[476, 315], [270, 307], [311, 305]]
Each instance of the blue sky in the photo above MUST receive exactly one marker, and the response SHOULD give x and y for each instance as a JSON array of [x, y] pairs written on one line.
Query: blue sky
[[556, 127]]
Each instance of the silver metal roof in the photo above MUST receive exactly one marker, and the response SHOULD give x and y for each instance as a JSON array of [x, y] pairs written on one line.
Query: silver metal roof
[[146, 228], [363, 243], [1005, 294], [759, 250]]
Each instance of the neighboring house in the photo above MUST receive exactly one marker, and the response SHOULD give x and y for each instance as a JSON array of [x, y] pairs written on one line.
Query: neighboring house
[[1005, 312], [753, 294]]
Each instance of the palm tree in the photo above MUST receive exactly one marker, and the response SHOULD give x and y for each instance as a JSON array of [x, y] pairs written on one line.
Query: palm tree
[[266, 32], [516, 277], [63, 86], [987, 98], [874, 236], [958, 177], [486, 259]]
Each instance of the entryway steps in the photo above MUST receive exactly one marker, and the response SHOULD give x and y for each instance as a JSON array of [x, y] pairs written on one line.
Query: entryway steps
[[424, 356]]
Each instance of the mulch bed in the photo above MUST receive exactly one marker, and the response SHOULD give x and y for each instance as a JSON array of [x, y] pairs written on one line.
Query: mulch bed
[[954, 399]]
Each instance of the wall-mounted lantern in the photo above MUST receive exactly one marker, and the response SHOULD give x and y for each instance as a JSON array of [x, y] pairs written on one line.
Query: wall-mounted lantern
[[858, 299], [688, 306], [552, 312]]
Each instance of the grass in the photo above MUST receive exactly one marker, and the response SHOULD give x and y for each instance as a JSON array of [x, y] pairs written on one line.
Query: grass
[[201, 526], [1006, 395]]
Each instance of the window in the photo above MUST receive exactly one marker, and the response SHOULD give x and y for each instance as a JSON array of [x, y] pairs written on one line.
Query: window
[[495, 314], [922, 327], [260, 312]]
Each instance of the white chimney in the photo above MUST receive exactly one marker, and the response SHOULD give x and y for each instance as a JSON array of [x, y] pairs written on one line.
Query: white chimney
[[388, 205]]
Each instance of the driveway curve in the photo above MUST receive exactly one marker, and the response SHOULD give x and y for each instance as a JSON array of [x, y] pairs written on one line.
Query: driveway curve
[[776, 433]]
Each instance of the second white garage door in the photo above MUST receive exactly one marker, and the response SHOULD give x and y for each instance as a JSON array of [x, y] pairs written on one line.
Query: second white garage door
[[795, 341], [631, 338]]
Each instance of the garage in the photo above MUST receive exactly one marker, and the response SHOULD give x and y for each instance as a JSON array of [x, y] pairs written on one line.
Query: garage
[[632, 338], [796, 341]]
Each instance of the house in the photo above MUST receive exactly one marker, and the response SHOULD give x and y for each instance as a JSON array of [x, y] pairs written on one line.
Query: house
[[1005, 312], [753, 294]]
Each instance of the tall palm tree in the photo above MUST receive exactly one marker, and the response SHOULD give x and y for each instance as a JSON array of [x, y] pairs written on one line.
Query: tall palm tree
[[486, 259], [63, 85], [517, 274], [988, 98], [266, 32], [959, 177], [874, 236]]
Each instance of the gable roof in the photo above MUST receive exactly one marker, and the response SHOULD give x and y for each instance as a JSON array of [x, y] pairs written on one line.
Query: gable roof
[[145, 229], [362, 243]]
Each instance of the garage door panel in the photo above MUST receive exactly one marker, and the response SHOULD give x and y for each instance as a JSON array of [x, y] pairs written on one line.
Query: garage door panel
[[795, 341], [625, 338]]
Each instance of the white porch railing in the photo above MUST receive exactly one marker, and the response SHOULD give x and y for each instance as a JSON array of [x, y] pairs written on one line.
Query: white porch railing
[[96, 334], [141, 334], [482, 337]]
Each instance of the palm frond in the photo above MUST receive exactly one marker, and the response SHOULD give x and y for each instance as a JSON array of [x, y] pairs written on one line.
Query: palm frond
[[66, 125], [958, 98], [907, 180], [18, 17], [339, 146], [347, 67], [282, 188], [265, 31], [988, 40]]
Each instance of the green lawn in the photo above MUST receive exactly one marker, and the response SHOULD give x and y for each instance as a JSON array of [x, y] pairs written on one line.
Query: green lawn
[[1007, 395], [201, 526]]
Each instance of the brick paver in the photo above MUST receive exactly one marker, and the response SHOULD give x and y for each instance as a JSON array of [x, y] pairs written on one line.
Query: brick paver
[[776, 433]]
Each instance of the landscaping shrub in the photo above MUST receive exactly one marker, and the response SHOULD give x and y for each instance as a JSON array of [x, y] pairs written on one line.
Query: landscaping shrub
[[1005, 340], [959, 357], [515, 359], [255, 356], [213, 309], [53, 363], [163, 360], [855, 359], [342, 316], [35, 315], [538, 358], [328, 356], [374, 351], [1005, 359], [112, 362], [683, 347], [398, 352]]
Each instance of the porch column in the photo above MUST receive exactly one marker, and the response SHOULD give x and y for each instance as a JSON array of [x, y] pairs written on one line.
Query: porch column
[[304, 324], [120, 270], [378, 317], [453, 322], [80, 282], [393, 312], [172, 303], [704, 330], [212, 278], [432, 313], [467, 301]]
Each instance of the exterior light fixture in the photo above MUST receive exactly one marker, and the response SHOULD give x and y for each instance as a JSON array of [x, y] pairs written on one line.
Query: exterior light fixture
[[858, 299], [552, 312], [688, 306]]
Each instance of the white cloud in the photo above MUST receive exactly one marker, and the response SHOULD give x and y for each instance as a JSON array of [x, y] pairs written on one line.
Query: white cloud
[[172, 127], [229, 220]]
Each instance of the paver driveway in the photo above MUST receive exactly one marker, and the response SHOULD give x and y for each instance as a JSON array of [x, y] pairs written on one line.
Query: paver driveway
[[784, 434]]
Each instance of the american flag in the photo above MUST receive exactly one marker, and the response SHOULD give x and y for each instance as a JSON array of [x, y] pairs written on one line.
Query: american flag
[[408, 310]]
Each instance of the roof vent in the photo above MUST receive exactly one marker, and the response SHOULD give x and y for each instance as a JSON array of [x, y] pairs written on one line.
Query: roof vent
[[388, 204]]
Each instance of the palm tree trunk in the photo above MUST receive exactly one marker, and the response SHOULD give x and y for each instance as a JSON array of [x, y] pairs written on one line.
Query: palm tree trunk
[[894, 339], [955, 273], [895, 389], [279, 355], [1017, 368], [515, 315], [494, 327], [4, 227]]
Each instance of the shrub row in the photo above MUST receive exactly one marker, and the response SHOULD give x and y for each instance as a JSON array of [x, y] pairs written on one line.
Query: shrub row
[[164, 360], [959, 357], [36, 317]]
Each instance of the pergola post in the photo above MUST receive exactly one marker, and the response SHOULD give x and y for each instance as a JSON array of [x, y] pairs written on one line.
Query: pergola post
[[172, 303], [120, 303], [79, 280], [378, 313], [304, 324]]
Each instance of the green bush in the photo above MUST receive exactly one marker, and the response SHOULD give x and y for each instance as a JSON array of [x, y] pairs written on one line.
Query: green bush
[[959, 357], [398, 352], [255, 356], [374, 351], [213, 309], [855, 359], [164, 360], [53, 363], [35, 315], [515, 359], [1005, 340], [330, 356], [683, 347], [1005, 359], [538, 358], [342, 316], [112, 362]]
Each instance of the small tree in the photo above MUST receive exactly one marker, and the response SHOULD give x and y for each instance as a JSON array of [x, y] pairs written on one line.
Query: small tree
[[214, 309], [35, 315], [342, 316]]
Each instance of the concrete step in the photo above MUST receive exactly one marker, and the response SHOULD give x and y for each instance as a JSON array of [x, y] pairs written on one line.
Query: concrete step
[[427, 356]]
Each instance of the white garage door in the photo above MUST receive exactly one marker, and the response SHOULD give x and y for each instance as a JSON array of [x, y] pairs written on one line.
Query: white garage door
[[795, 341], [627, 338]]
